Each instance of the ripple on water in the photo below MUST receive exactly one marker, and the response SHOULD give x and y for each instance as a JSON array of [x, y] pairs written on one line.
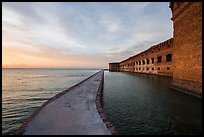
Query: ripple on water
[[25, 90], [141, 105]]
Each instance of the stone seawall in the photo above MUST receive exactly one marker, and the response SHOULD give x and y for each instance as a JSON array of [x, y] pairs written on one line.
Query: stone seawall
[[71, 112], [100, 108]]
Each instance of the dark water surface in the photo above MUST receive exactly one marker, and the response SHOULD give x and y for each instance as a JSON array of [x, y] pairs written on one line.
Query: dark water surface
[[145, 104], [25, 90]]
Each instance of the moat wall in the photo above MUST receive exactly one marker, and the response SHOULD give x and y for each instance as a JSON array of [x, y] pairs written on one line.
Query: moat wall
[[179, 57]]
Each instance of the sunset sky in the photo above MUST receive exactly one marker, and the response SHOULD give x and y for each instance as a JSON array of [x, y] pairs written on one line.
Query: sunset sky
[[80, 35]]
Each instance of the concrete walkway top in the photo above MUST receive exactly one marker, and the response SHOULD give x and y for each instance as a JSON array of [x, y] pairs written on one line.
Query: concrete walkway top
[[73, 113]]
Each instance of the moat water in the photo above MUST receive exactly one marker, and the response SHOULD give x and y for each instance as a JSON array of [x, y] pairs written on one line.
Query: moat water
[[139, 104]]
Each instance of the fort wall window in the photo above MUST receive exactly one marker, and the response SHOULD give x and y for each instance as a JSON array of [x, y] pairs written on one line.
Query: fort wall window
[[147, 61], [158, 68], [152, 68], [143, 62], [139, 62], [159, 59], [168, 57], [152, 60], [168, 68]]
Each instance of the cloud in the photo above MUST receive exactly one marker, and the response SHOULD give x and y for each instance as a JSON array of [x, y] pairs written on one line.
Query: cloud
[[78, 31]]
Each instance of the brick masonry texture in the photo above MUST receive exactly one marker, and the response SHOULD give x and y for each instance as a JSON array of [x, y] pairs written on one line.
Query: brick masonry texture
[[187, 63], [185, 49]]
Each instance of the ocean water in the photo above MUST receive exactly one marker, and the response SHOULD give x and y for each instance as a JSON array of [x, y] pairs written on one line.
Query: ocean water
[[139, 104], [25, 90]]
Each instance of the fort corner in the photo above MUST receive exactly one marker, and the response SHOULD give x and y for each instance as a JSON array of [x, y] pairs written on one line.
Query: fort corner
[[114, 66]]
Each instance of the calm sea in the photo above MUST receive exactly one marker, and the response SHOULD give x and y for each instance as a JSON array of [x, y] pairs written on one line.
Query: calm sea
[[25, 90]]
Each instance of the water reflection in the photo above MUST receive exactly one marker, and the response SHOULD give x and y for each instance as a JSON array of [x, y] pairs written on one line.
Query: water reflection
[[145, 104]]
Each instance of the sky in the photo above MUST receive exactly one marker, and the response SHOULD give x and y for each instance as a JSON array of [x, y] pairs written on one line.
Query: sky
[[80, 35]]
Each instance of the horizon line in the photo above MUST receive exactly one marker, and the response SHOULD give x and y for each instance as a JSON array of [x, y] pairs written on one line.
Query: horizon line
[[50, 68]]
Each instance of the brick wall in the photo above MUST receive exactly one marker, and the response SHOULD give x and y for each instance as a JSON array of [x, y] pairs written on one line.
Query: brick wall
[[187, 64], [114, 66], [135, 63]]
